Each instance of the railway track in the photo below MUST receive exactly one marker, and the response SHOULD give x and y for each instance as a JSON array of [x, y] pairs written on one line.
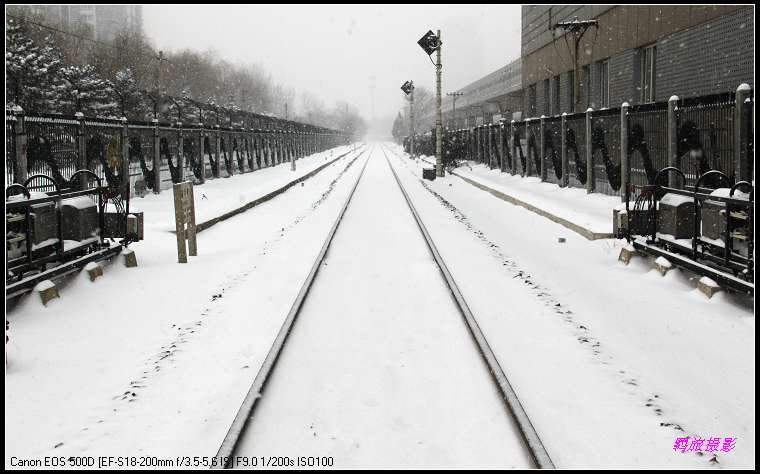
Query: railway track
[[529, 439]]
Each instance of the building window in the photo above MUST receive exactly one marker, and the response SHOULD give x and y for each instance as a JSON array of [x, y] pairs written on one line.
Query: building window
[[532, 100], [604, 83], [555, 96], [648, 73], [547, 93]]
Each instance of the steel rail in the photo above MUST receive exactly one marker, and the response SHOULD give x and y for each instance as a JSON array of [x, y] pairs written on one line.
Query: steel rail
[[532, 441], [224, 455]]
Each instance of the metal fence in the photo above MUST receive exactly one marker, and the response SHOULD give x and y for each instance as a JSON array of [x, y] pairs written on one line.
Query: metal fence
[[153, 155], [603, 150], [553, 150]]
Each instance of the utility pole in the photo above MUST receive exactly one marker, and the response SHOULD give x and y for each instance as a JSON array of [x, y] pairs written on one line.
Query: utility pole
[[156, 104], [454, 96], [438, 116], [578, 28]]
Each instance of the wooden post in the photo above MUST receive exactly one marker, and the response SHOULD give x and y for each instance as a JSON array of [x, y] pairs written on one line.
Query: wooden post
[[184, 215]]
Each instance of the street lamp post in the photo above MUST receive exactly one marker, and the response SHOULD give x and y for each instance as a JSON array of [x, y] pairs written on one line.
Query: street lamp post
[[431, 42], [408, 88]]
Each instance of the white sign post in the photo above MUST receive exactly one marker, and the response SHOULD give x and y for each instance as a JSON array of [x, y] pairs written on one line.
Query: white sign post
[[184, 215]]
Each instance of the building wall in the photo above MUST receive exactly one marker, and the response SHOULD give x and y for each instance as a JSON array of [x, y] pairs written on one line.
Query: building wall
[[699, 50]]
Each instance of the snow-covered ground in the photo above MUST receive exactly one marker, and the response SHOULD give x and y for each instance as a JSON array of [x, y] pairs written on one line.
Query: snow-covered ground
[[155, 360], [379, 370], [611, 362], [590, 211]]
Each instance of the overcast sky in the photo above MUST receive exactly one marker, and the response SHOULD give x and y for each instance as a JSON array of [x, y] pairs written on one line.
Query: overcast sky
[[334, 51]]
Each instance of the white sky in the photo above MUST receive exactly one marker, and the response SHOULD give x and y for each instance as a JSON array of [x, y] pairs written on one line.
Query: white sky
[[334, 50]]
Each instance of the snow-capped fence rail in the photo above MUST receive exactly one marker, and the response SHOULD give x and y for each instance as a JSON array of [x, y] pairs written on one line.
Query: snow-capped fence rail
[[154, 154], [601, 150]]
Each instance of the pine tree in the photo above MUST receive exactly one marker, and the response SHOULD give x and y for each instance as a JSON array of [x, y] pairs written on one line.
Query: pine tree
[[31, 70], [82, 90], [130, 102]]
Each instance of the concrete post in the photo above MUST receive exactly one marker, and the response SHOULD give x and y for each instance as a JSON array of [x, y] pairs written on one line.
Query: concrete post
[[541, 148], [21, 172], [625, 163], [590, 180], [672, 138], [742, 127], [156, 159], [565, 179]]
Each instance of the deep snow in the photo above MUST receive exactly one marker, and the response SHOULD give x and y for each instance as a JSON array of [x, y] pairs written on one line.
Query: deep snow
[[608, 360]]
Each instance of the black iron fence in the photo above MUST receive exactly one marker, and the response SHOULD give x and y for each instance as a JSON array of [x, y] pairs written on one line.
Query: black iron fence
[[603, 150], [150, 156]]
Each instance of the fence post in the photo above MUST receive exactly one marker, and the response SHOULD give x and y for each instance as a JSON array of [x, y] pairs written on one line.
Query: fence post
[[501, 145], [625, 163], [292, 155], [126, 192], [512, 146], [541, 148], [590, 180], [219, 158], [180, 152], [81, 149], [489, 141], [742, 126], [564, 181], [672, 138], [202, 153], [156, 158], [21, 172], [528, 164]]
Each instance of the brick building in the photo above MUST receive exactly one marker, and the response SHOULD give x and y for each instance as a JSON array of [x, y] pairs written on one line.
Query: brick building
[[638, 54]]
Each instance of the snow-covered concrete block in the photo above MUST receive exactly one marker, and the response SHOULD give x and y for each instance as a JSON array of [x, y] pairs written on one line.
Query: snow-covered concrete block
[[626, 254], [94, 270], [47, 291], [130, 259], [662, 265], [708, 286]]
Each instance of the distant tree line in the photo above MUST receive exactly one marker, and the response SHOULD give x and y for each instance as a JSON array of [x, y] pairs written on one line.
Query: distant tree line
[[51, 70]]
